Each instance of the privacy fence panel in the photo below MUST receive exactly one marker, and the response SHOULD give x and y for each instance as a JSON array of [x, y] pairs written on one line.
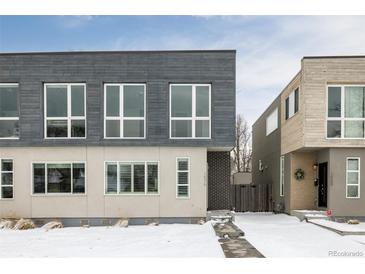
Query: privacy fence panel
[[254, 198]]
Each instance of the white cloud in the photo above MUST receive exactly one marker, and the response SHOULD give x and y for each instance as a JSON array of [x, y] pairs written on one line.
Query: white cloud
[[75, 21], [269, 49]]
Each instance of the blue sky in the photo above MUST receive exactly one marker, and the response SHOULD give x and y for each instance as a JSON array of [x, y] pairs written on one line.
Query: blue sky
[[269, 48]]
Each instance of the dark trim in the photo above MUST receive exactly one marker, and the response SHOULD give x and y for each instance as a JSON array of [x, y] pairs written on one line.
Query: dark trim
[[287, 108], [114, 52], [110, 221], [296, 100]]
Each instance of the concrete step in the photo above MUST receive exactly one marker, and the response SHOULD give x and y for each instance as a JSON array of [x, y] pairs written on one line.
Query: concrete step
[[309, 214]]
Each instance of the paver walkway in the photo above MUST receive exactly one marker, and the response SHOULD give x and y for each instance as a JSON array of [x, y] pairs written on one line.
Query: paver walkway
[[233, 243]]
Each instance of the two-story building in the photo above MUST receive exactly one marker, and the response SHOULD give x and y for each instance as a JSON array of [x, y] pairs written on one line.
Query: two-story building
[[310, 143], [95, 136]]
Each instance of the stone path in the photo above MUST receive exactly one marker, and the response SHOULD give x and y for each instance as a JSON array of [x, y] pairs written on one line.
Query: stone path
[[233, 243]]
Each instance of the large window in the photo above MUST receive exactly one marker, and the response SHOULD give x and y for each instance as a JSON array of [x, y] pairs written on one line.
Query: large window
[[131, 178], [59, 178], [189, 111], [292, 104], [65, 110], [182, 178], [6, 179], [353, 177], [9, 115], [124, 111], [346, 112], [272, 122], [282, 160]]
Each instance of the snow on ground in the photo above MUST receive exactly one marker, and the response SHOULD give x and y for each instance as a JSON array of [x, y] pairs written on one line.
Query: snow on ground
[[341, 226], [170, 240], [280, 235]]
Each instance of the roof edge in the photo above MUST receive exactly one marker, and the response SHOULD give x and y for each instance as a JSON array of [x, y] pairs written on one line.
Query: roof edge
[[117, 52], [279, 95], [333, 57]]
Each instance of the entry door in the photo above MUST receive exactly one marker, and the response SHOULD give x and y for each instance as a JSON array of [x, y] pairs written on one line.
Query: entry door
[[322, 185]]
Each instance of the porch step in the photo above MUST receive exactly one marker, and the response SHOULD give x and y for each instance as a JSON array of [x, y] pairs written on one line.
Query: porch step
[[309, 215], [220, 215]]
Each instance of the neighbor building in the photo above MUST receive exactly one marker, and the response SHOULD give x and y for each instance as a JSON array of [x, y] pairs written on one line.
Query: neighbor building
[[310, 142], [94, 136]]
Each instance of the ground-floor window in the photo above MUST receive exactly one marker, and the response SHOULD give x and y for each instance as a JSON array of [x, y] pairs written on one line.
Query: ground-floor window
[[182, 178], [131, 178], [282, 176], [353, 177], [6, 179], [55, 178]]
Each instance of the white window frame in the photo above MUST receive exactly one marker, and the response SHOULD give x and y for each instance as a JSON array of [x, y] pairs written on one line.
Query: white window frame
[[177, 177], [15, 118], [45, 163], [69, 113], [358, 177], [193, 117], [132, 193], [275, 113], [282, 181], [2, 172], [121, 117], [342, 119]]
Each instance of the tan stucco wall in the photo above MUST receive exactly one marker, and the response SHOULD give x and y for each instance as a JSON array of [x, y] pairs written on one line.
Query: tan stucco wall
[[338, 202], [303, 192], [94, 203]]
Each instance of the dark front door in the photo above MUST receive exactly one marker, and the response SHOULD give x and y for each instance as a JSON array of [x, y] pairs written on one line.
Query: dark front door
[[322, 185]]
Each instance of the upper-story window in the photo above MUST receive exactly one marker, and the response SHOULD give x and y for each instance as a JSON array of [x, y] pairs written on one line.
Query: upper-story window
[[65, 110], [124, 111], [272, 121], [346, 112], [190, 111], [9, 115], [292, 104]]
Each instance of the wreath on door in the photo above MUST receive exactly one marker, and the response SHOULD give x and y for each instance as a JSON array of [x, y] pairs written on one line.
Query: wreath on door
[[299, 174]]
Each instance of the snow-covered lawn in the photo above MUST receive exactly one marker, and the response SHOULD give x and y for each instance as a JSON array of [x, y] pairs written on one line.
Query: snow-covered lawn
[[175, 240], [281, 235], [341, 226]]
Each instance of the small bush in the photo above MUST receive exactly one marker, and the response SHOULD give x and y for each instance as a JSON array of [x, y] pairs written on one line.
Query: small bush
[[52, 225], [24, 224], [6, 224], [353, 222]]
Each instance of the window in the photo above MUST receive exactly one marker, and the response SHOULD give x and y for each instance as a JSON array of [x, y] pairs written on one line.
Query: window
[[272, 122], [124, 111], [189, 111], [353, 177], [182, 178], [6, 179], [131, 178], [65, 110], [9, 115], [346, 112], [282, 159], [292, 104], [59, 178]]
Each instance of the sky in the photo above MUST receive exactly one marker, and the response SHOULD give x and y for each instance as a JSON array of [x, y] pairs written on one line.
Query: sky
[[269, 48]]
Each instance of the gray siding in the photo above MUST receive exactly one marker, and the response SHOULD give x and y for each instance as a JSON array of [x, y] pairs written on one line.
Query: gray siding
[[157, 69], [267, 149]]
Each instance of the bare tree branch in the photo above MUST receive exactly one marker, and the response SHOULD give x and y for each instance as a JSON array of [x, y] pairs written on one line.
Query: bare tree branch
[[242, 153]]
